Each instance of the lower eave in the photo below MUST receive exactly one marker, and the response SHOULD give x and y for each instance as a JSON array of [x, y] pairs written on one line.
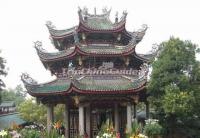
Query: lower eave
[[74, 90]]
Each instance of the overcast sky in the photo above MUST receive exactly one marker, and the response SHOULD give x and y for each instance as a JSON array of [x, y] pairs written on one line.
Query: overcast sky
[[23, 21]]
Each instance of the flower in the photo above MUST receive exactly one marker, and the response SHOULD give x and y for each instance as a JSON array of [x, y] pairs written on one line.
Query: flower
[[107, 135], [142, 136], [57, 125], [14, 126], [3, 133]]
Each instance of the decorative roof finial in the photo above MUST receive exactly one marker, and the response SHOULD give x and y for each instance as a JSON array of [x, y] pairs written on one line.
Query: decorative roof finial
[[38, 44], [85, 10], [116, 17], [76, 39], [79, 9], [105, 10], [95, 12]]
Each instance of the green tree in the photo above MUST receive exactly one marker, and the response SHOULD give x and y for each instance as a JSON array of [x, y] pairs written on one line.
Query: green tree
[[2, 73], [17, 95], [174, 85], [33, 112]]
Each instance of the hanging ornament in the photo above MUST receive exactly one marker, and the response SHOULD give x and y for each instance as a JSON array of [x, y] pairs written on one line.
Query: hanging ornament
[[76, 100], [80, 62], [127, 61], [119, 37], [83, 36], [135, 98]]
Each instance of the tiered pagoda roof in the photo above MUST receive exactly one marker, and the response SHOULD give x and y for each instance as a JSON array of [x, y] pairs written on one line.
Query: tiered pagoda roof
[[92, 49], [94, 36]]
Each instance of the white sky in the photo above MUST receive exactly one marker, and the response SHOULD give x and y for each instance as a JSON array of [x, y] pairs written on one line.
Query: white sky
[[23, 21]]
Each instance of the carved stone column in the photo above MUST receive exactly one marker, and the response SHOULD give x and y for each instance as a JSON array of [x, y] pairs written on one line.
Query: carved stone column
[[116, 113], [129, 117], [66, 120], [81, 120], [134, 110], [50, 117], [88, 115]]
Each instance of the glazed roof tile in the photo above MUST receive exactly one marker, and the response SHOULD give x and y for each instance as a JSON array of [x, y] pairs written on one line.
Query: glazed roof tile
[[93, 22], [86, 84], [53, 31], [88, 49]]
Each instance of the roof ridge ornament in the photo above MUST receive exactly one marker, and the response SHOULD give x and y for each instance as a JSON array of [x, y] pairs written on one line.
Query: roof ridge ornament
[[155, 50], [25, 77], [124, 15], [105, 10], [85, 10], [144, 28], [50, 25], [38, 46]]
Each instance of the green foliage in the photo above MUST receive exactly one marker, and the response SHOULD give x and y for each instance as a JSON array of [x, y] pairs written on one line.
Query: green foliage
[[3, 72], [174, 85], [30, 133], [58, 112], [17, 95], [32, 112], [136, 129], [52, 134], [107, 130], [177, 102], [174, 62], [152, 128]]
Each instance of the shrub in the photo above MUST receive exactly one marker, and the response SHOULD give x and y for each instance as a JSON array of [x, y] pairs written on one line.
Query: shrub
[[152, 128]]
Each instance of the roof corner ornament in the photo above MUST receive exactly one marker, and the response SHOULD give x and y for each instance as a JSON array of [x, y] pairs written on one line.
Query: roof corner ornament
[[26, 79], [143, 70], [141, 32], [50, 25], [155, 50], [79, 9], [38, 46], [144, 27]]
